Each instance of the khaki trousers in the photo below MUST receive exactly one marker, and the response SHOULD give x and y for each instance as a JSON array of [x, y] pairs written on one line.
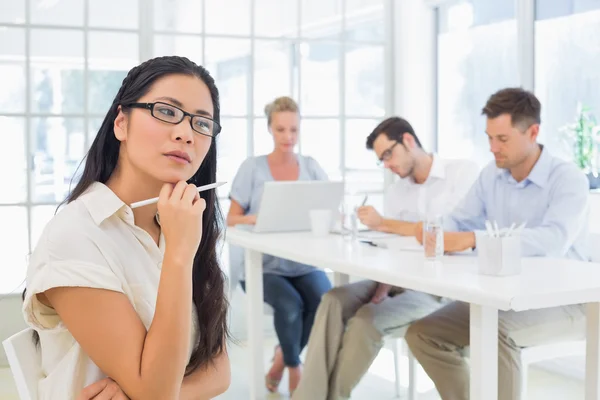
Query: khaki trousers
[[348, 333], [439, 341]]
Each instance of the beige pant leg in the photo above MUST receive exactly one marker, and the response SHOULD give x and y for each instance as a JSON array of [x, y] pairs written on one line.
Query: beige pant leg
[[365, 333], [439, 341], [336, 308]]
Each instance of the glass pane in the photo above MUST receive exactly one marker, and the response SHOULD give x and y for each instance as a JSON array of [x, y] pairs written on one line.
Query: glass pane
[[263, 140], [548, 9], [64, 12], [357, 155], [228, 61], [12, 69], [231, 147], [57, 71], [276, 18], [365, 72], [220, 18], [40, 216], [178, 15], [13, 160], [272, 72], [58, 148], [364, 182], [321, 19], [320, 91], [365, 21], [185, 46], [109, 66], [93, 128], [12, 12], [320, 139], [114, 14], [477, 55], [567, 74], [14, 248]]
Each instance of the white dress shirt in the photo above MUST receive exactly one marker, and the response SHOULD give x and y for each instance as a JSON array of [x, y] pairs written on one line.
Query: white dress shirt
[[92, 242], [448, 182]]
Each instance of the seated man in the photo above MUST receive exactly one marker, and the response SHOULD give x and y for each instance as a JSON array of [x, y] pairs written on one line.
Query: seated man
[[338, 356], [524, 184]]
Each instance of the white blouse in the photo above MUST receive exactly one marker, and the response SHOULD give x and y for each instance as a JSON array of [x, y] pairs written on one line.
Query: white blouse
[[92, 242]]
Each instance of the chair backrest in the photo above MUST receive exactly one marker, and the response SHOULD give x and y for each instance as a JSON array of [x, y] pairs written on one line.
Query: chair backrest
[[25, 363], [594, 245]]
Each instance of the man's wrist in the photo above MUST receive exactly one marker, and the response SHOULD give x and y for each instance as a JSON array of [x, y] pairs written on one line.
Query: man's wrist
[[469, 241]]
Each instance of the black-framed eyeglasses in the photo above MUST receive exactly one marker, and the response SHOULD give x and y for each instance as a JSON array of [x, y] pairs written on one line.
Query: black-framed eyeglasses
[[387, 154], [174, 115]]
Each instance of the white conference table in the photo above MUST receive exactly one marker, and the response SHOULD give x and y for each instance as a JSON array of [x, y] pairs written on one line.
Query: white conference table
[[544, 282]]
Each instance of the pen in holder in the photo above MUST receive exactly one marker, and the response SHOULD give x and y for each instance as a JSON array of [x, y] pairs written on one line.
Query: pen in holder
[[499, 255]]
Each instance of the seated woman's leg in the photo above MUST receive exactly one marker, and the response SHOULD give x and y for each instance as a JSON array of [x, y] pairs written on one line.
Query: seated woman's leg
[[288, 312], [312, 287]]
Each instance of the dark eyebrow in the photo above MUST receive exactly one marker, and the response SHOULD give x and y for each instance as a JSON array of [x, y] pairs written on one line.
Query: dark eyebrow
[[178, 104]]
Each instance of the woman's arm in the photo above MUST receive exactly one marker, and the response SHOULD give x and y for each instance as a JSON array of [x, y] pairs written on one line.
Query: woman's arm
[[236, 215], [208, 381], [146, 364]]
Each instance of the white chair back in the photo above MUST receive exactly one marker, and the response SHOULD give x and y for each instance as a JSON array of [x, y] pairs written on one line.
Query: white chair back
[[25, 363]]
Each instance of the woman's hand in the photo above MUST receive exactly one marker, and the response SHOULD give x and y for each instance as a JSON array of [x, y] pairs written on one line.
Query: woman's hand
[[180, 209], [105, 389]]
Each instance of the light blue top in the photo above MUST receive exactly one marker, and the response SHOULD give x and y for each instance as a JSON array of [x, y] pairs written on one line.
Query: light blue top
[[247, 189], [552, 200]]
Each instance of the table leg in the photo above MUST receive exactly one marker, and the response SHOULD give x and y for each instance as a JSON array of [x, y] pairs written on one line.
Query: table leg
[[484, 353], [254, 294], [592, 354], [340, 279]]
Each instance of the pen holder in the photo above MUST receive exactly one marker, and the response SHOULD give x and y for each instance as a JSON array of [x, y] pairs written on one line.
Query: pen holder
[[499, 256]]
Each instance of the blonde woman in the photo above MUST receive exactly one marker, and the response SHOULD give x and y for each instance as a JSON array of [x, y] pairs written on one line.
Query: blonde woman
[[294, 290]]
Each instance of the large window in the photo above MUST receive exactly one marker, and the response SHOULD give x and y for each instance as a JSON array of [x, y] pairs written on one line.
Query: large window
[[567, 65], [59, 71], [477, 55], [555, 52], [62, 62]]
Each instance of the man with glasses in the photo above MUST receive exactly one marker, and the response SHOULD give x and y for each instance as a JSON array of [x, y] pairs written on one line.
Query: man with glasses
[[352, 320]]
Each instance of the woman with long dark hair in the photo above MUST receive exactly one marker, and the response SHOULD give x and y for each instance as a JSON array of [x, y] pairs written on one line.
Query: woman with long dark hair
[[128, 302]]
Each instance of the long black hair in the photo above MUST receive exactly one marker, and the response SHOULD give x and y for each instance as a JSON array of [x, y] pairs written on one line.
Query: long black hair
[[208, 278]]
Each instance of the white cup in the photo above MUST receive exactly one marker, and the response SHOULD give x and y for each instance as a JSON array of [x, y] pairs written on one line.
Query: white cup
[[320, 222]]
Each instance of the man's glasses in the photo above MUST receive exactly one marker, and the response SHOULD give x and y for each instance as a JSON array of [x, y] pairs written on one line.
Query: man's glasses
[[387, 154], [174, 115]]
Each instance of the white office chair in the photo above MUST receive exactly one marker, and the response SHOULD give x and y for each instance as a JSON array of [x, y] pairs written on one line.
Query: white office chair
[[398, 343], [25, 363]]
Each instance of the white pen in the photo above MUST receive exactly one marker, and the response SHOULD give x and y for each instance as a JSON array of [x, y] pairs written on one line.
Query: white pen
[[512, 226], [520, 227], [496, 229], [155, 200]]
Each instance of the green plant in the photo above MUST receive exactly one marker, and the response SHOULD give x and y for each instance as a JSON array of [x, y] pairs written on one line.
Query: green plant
[[582, 139]]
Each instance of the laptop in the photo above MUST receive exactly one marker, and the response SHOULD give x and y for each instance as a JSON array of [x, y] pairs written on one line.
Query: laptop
[[285, 206]]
